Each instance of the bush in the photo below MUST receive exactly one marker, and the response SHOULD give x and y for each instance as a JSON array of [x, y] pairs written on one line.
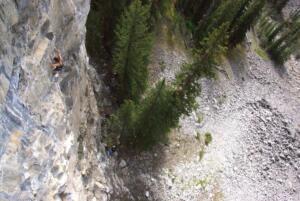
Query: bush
[[207, 138]]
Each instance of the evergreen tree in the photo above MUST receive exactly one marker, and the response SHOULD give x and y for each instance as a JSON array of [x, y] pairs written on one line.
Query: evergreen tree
[[208, 15], [100, 24], [247, 18], [122, 124], [132, 49], [285, 45], [274, 31], [148, 122], [194, 10], [279, 4], [223, 13], [142, 125], [161, 8], [158, 114], [208, 56], [280, 39]]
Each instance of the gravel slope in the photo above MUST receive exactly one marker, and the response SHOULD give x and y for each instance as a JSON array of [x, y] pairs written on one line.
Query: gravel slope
[[251, 110]]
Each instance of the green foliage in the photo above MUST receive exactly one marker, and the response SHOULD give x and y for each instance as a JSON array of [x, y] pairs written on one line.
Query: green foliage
[[141, 125], [280, 39], [158, 114], [100, 24], [201, 153], [202, 182], [243, 23], [122, 124], [200, 118], [187, 81], [260, 52], [162, 8], [198, 136], [223, 13], [207, 138], [162, 65], [239, 14], [132, 49], [93, 36], [194, 10]]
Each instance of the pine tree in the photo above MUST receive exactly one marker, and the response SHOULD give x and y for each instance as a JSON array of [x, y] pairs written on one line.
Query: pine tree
[[157, 115], [205, 16], [284, 46], [280, 39], [122, 124], [194, 10], [100, 24], [187, 82], [247, 18], [223, 13], [145, 123], [132, 49]]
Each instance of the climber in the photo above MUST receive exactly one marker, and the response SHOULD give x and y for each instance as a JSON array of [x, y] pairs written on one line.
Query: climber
[[58, 64], [110, 150]]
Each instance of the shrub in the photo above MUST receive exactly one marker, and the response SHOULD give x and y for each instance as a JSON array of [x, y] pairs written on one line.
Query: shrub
[[207, 138]]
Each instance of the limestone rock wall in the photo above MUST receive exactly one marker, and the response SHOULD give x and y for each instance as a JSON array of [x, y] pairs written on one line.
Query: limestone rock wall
[[48, 121]]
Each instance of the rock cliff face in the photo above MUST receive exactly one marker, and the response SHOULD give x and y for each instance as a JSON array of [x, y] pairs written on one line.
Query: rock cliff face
[[47, 120]]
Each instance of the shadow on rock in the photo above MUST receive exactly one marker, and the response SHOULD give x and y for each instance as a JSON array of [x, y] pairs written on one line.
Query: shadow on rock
[[134, 174]]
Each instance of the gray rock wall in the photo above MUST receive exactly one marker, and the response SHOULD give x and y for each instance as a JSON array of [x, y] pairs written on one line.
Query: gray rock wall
[[42, 114]]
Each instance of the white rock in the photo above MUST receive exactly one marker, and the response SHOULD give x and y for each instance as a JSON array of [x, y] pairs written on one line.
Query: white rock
[[123, 163], [147, 194]]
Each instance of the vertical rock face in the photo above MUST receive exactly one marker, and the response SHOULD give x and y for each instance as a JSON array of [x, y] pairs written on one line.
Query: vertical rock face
[[43, 114]]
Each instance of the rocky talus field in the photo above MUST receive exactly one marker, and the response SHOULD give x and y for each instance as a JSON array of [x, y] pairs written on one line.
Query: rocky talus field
[[241, 144]]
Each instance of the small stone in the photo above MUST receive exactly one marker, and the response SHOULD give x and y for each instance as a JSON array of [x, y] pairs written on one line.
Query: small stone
[[147, 194], [123, 164]]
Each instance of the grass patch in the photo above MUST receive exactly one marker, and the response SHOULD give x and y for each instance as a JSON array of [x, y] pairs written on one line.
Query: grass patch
[[198, 136], [200, 118], [202, 182], [237, 53], [201, 153], [262, 53], [207, 138], [162, 65], [257, 48], [204, 141]]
